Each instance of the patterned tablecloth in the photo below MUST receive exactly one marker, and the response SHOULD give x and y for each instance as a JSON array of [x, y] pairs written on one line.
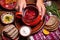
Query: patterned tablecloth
[[52, 36], [40, 36]]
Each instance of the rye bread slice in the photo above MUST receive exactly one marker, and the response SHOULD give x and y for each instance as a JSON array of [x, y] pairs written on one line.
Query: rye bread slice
[[56, 27], [52, 27], [51, 21]]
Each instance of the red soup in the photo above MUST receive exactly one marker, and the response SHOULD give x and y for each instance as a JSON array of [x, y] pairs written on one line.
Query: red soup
[[31, 16]]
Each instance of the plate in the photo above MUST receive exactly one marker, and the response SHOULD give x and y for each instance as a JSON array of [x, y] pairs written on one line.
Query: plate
[[35, 29], [7, 15], [9, 32], [8, 4]]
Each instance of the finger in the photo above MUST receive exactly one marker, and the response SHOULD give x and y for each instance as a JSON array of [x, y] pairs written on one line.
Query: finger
[[40, 11], [18, 4], [39, 8], [21, 7], [16, 7], [43, 11], [24, 5]]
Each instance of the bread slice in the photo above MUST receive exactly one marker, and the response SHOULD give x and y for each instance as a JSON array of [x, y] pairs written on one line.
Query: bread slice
[[54, 26], [51, 21], [7, 28], [51, 27]]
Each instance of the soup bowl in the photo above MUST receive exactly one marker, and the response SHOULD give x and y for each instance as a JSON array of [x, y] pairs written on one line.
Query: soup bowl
[[30, 15]]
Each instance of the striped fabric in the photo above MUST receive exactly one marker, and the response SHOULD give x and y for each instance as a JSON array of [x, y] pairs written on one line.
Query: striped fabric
[[52, 36]]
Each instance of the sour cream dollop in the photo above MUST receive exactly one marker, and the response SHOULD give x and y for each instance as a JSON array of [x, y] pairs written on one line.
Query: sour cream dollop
[[25, 31]]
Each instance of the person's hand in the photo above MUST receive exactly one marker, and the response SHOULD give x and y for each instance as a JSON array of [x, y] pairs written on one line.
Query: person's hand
[[11, 32], [20, 5], [41, 8]]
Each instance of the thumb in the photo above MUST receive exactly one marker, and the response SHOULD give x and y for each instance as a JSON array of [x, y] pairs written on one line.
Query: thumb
[[24, 5], [39, 9], [43, 12]]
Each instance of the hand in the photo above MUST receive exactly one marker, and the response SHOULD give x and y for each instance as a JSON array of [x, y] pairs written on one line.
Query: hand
[[41, 8], [20, 5], [11, 31]]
